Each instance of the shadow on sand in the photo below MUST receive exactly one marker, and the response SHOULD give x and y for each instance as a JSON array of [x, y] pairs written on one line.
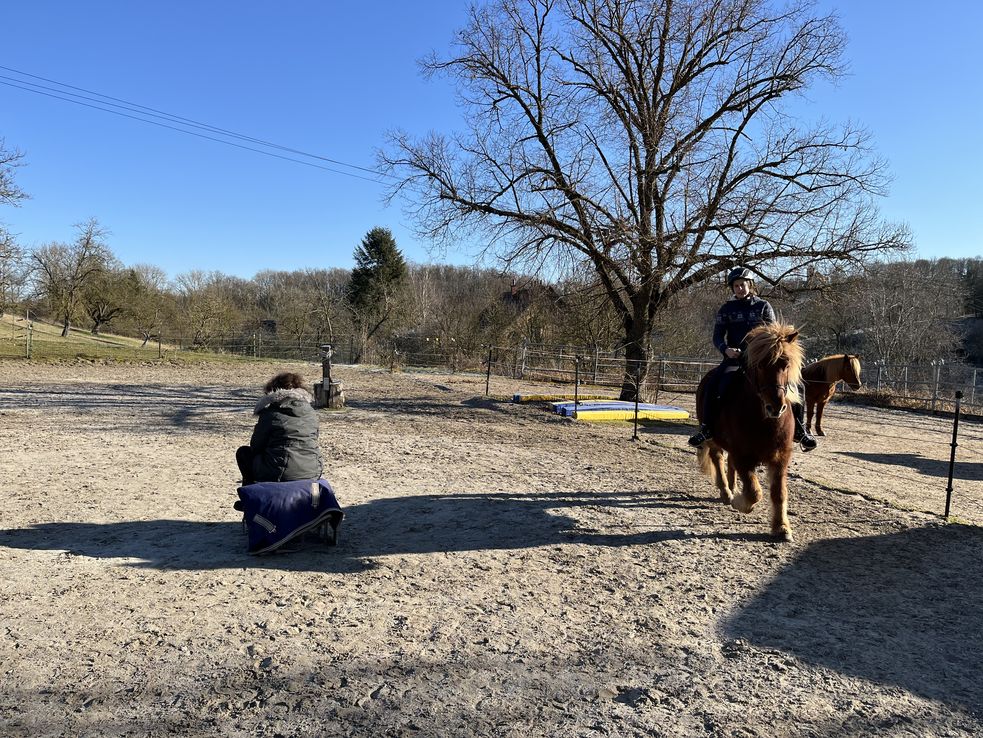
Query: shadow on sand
[[967, 470], [899, 609], [406, 525]]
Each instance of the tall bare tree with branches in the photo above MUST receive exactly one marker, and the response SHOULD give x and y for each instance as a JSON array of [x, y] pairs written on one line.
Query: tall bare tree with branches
[[64, 271], [648, 139], [12, 273]]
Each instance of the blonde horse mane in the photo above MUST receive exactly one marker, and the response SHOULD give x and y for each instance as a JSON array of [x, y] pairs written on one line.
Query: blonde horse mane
[[766, 344]]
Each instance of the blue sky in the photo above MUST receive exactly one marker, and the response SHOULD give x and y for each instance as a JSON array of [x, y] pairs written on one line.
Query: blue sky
[[331, 78]]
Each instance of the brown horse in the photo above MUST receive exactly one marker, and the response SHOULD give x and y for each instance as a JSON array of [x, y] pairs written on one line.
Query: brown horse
[[820, 379], [754, 423]]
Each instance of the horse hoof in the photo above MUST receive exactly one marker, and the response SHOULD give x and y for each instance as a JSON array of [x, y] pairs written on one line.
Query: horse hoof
[[740, 503], [726, 497], [783, 535], [819, 432]]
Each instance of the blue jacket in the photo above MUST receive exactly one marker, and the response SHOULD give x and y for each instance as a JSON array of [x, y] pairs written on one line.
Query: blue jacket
[[736, 318]]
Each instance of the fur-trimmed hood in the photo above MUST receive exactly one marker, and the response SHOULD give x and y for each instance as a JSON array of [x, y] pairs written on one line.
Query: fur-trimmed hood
[[282, 397]]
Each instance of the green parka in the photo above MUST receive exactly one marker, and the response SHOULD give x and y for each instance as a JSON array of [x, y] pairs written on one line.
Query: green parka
[[285, 439]]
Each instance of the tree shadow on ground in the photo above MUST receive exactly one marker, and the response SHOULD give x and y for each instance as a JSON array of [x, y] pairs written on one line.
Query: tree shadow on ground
[[971, 471], [900, 609], [139, 406], [406, 525]]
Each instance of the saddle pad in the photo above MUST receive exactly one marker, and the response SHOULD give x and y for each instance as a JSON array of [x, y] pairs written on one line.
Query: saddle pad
[[276, 512]]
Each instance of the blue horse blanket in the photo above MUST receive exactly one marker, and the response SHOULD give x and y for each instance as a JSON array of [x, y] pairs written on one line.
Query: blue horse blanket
[[274, 513]]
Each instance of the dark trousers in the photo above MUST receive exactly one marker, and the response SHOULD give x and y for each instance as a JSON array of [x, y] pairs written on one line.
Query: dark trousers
[[716, 386], [244, 458]]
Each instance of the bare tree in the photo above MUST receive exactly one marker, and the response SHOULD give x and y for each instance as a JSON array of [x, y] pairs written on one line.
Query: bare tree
[[12, 274], [908, 311], [208, 306], [10, 194], [63, 271], [646, 138], [151, 304], [12, 271]]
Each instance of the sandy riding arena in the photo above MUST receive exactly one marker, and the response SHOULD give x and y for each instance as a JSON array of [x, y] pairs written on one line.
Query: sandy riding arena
[[500, 572]]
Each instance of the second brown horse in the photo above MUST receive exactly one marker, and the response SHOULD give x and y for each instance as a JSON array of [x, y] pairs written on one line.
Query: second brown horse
[[820, 379]]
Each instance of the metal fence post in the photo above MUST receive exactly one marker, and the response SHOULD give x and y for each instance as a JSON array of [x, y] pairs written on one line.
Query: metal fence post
[[952, 454], [30, 337], [576, 385], [488, 374], [972, 391]]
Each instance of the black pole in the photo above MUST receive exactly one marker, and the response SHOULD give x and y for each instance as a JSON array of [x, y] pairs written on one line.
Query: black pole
[[488, 373], [576, 385], [638, 391], [952, 455]]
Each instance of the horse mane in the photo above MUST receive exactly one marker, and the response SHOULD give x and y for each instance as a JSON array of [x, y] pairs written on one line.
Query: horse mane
[[854, 362], [766, 344]]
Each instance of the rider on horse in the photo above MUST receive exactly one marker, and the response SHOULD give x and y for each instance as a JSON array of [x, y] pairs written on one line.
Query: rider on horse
[[735, 319]]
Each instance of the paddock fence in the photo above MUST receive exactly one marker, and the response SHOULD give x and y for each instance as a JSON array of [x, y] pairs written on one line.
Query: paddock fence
[[931, 386]]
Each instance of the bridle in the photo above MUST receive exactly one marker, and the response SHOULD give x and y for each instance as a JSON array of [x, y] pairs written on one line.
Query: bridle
[[752, 380]]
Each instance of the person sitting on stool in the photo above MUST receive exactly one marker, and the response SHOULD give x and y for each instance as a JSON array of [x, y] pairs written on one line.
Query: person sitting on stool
[[284, 443]]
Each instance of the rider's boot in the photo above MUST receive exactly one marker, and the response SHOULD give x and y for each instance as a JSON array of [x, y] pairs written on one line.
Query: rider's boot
[[803, 437], [701, 436]]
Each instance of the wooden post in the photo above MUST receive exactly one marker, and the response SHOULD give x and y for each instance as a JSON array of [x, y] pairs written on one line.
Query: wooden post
[[972, 392], [30, 338], [328, 393]]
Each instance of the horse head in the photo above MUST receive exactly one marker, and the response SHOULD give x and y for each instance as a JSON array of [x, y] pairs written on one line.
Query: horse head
[[851, 371], [773, 362]]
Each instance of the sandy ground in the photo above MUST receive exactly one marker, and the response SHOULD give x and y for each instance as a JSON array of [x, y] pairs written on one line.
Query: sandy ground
[[500, 572]]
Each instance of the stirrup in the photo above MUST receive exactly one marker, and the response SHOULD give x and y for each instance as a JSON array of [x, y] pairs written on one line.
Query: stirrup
[[700, 437], [807, 442]]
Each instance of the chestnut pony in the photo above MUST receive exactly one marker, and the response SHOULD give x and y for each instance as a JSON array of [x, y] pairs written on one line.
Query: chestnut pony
[[820, 379], [754, 423]]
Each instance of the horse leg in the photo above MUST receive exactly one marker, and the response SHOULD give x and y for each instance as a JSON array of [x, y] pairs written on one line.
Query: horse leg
[[710, 458], [809, 408], [750, 491], [819, 418], [731, 474], [724, 483], [778, 487]]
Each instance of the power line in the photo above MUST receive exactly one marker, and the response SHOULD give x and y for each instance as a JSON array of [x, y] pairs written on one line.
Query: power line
[[136, 111]]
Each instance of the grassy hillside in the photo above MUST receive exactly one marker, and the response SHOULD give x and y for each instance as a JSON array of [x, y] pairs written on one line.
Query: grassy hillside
[[47, 344]]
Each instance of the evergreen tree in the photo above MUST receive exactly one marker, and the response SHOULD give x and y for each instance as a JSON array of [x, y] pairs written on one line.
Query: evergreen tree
[[375, 290]]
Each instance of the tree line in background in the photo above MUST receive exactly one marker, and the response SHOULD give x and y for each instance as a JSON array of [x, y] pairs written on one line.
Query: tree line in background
[[913, 311], [639, 148]]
